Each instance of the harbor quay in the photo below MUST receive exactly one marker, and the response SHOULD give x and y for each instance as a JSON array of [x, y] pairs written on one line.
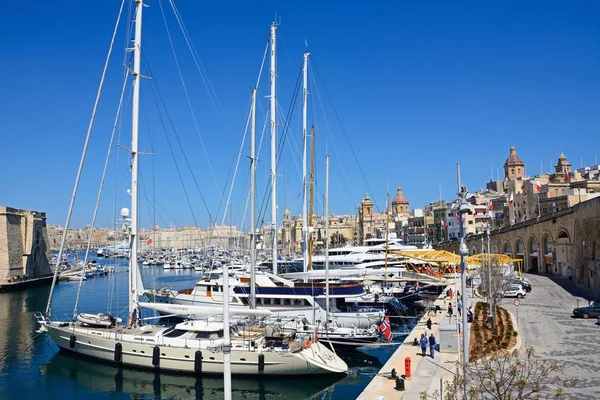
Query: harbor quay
[[544, 320], [416, 373]]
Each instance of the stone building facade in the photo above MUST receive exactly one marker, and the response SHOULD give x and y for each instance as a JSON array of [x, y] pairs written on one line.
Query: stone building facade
[[24, 247]]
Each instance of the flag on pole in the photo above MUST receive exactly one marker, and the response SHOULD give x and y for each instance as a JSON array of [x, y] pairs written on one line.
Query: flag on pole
[[386, 329], [538, 186], [566, 174], [444, 224], [149, 241], [491, 206], [511, 200]]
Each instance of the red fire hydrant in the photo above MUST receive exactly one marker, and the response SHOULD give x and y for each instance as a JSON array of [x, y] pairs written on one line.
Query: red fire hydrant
[[407, 367]]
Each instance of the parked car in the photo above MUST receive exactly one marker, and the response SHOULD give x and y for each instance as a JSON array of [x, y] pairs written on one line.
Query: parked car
[[520, 281], [593, 310], [598, 321], [514, 290]]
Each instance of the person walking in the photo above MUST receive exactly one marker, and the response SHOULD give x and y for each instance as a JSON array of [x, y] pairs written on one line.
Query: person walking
[[429, 323], [431, 345], [423, 342], [459, 307], [450, 309]]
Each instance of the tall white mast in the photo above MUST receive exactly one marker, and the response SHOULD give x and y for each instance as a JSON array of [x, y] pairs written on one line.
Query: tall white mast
[[327, 240], [135, 107], [252, 202], [305, 229], [226, 336], [273, 108]]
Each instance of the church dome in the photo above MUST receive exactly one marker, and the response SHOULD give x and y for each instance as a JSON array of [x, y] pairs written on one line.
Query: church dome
[[400, 198], [513, 158]]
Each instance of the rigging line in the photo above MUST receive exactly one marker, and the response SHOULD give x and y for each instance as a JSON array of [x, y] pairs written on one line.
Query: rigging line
[[346, 137], [187, 97], [267, 196], [212, 94], [262, 65], [114, 288], [82, 160], [293, 145], [99, 197], [173, 154], [145, 194], [237, 164], [330, 135], [168, 115]]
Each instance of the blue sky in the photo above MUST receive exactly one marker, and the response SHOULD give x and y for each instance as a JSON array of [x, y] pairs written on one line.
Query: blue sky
[[414, 87]]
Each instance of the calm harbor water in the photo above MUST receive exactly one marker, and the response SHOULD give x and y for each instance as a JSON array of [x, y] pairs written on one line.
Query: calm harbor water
[[31, 367]]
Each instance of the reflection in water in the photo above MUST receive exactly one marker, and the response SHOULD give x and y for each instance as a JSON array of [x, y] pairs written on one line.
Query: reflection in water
[[107, 379]]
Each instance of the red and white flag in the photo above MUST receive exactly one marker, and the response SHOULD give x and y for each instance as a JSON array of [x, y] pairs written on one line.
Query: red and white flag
[[538, 186], [566, 174], [491, 207], [511, 200], [386, 329], [444, 224], [149, 241]]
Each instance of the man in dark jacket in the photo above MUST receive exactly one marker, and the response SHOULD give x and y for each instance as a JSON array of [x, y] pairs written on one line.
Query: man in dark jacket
[[431, 344]]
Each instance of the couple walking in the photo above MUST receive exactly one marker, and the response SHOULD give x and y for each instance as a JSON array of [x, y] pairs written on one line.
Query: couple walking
[[427, 341]]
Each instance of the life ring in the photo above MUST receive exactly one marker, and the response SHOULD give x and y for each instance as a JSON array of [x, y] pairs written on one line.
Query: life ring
[[307, 344]]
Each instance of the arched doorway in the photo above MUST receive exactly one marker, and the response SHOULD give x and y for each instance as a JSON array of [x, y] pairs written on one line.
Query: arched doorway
[[495, 248], [474, 250], [562, 252], [507, 249], [533, 254], [548, 264], [520, 253]]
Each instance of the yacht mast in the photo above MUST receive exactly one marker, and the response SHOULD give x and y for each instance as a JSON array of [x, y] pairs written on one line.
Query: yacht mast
[[226, 336], [304, 180], [135, 107], [387, 224], [273, 106], [252, 299], [312, 190], [326, 241]]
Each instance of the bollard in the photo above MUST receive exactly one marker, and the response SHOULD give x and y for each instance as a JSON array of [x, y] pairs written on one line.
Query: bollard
[[407, 367], [400, 384]]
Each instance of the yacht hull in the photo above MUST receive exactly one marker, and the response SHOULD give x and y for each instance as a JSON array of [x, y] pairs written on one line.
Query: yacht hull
[[102, 345]]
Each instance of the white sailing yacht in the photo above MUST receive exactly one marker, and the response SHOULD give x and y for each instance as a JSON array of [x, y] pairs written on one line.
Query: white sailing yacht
[[198, 347]]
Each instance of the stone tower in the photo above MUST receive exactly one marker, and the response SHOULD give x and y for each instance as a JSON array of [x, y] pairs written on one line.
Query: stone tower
[[514, 167], [562, 166], [366, 218], [24, 246], [400, 203]]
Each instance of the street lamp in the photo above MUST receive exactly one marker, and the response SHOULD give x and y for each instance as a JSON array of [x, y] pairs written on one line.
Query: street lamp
[[464, 251], [489, 274]]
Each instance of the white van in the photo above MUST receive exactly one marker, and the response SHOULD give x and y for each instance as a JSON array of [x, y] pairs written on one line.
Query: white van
[[515, 291]]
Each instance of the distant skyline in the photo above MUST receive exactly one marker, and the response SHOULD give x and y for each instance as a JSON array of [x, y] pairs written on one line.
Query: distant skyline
[[415, 88]]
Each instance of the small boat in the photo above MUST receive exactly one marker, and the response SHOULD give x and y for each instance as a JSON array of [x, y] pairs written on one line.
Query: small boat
[[98, 320]]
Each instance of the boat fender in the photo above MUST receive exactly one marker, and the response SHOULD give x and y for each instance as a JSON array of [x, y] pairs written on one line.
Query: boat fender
[[118, 352], [198, 362], [156, 356], [307, 344], [261, 362], [72, 341]]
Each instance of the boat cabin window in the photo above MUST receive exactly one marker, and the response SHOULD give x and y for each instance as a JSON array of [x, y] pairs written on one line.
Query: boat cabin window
[[210, 335], [173, 333]]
